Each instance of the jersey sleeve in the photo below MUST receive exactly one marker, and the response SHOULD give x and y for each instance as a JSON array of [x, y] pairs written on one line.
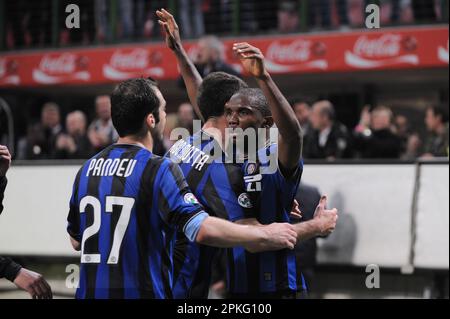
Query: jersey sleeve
[[73, 218], [178, 206]]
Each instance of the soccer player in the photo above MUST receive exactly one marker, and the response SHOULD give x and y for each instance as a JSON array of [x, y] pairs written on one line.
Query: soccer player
[[208, 98], [270, 274], [218, 186], [127, 203]]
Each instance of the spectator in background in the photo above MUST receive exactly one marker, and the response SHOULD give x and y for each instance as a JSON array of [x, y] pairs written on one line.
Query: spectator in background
[[211, 57], [288, 20], [41, 137], [186, 117], [302, 111], [191, 18], [410, 141], [322, 10], [330, 139], [101, 132], [436, 120], [374, 137], [103, 31], [75, 143], [308, 198]]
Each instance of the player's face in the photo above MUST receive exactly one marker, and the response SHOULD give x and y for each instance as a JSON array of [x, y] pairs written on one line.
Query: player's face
[[240, 113]]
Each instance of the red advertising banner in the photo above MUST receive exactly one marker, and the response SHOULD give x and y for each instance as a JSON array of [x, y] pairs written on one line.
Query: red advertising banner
[[399, 48]]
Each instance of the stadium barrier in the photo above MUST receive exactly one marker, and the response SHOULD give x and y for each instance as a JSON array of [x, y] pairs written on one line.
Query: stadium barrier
[[394, 215]]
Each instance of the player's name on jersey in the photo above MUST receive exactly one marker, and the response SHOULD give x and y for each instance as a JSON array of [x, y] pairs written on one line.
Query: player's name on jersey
[[111, 167], [184, 152]]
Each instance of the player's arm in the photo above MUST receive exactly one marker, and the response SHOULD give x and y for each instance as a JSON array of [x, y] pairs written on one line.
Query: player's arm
[[178, 207], [290, 132], [191, 76], [323, 223], [73, 218], [221, 233]]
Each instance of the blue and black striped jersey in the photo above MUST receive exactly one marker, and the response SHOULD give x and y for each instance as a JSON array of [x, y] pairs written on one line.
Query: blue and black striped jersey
[[272, 195], [125, 208], [219, 187]]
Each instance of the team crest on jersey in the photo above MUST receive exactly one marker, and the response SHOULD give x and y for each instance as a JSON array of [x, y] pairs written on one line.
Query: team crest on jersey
[[190, 198], [251, 168], [244, 200]]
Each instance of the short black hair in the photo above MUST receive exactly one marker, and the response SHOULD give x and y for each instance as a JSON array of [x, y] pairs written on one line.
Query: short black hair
[[131, 102], [215, 91], [300, 100], [257, 100], [440, 110]]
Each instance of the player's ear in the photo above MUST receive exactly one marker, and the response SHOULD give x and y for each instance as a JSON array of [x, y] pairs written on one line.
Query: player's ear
[[268, 122], [151, 121]]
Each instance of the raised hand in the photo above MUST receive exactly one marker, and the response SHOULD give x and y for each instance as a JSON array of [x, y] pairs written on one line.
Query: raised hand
[[252, 59], [325, 219], [171, 30]]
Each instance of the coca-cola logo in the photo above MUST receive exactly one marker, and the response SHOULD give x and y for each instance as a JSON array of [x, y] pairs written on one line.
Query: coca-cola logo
[[9, 72], [387, 45], [8, 67], [297, 51], [61, 64], [133, 60]]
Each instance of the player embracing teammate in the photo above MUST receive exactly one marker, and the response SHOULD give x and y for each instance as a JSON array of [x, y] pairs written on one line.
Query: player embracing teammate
[[270, 189]]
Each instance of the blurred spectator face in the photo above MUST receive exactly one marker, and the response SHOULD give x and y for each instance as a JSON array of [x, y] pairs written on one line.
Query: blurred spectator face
[[103, 107], [287, 17], [381, 119], [432, 121], [302, 112], [319, 118], [76, 123], [185, 114], [50, 116], [401, 123], [210, 49]]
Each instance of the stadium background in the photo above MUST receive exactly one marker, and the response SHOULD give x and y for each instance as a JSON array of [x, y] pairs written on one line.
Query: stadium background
[[394, 212]]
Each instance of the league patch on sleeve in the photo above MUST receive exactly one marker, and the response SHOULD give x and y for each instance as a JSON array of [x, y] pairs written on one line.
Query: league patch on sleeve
[[244, 200], [190, 198]]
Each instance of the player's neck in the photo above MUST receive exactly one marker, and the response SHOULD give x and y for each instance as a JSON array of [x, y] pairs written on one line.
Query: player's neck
[[142, 141], [216, 128]]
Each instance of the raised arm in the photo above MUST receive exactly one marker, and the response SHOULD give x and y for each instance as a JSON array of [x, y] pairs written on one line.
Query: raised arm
[[191, 76], [290, 132]]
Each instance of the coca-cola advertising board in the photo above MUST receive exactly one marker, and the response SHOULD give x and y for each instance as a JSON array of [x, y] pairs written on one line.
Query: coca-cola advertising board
[[396, 48]]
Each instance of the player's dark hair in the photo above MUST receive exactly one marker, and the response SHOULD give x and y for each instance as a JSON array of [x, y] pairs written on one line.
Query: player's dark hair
[[131, 102], [215, 91], [440, 110], [257, 100]]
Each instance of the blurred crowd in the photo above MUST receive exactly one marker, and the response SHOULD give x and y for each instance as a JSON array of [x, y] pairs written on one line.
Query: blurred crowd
[[380, 134], [42, 23]]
